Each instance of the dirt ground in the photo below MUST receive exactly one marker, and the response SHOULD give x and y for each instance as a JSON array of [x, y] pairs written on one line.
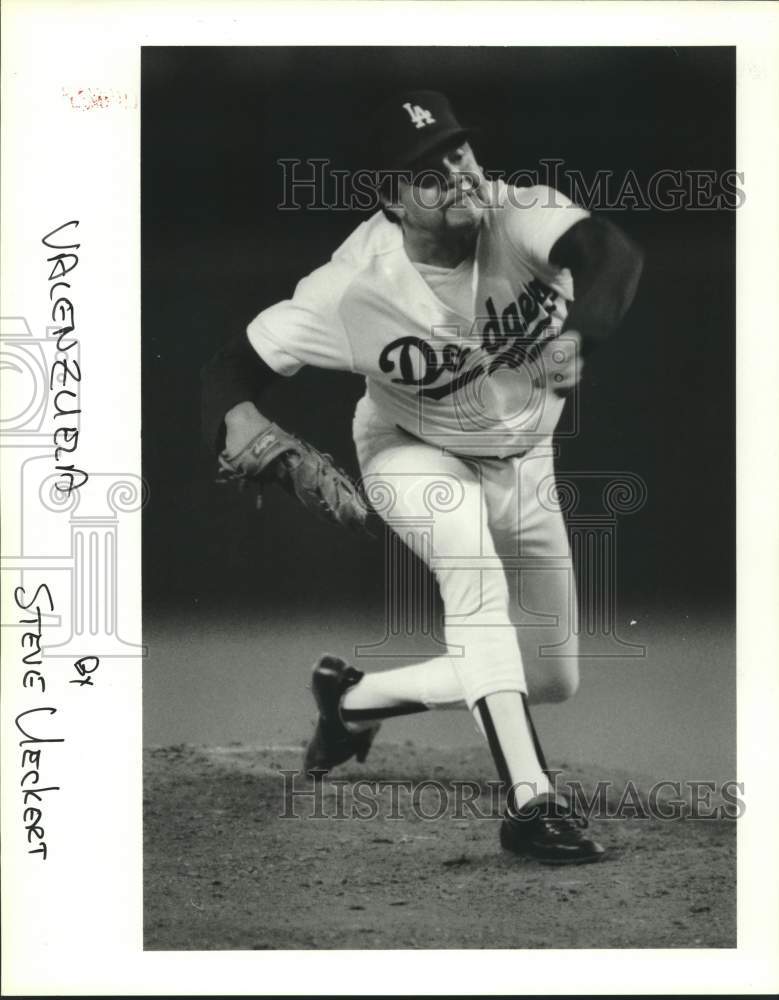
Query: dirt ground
[[224, 869]]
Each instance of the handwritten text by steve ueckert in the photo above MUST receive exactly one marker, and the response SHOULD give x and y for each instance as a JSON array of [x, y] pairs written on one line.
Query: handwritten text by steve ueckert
[[34, 724]]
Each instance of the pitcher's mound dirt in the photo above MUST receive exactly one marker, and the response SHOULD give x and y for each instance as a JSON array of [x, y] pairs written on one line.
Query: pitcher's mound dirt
[[225, 869]]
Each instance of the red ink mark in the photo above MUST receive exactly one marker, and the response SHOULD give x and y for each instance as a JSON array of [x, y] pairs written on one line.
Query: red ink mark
[[93, 99]]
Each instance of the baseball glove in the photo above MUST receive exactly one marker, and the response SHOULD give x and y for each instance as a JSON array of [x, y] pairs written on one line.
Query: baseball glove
[[307, 474]]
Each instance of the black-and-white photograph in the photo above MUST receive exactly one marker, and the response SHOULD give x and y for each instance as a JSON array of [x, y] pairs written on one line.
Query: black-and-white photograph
[[389, 487], [439, 556], [388, 468]]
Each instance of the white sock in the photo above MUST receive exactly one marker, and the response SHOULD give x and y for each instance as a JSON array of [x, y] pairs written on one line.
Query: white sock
[[403, 690], [500, 716]]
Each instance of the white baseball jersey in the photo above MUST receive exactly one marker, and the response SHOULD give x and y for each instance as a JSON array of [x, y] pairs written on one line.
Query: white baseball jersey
[[447, 354]]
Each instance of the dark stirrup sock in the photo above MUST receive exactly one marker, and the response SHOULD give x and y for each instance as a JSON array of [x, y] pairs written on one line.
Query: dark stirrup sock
[[536, 741], [494, 743], [515, 748], [368, 714]]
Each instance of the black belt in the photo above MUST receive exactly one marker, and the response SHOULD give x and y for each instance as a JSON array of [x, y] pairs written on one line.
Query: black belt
[[490, 458]]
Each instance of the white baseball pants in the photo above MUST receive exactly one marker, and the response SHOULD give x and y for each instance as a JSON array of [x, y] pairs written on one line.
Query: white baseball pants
[[494, 536]]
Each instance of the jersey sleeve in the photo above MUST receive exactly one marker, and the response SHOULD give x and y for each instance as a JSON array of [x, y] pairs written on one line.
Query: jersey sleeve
[[306, 329], [535, 218]]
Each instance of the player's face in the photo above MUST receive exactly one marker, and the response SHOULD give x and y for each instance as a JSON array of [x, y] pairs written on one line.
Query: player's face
[[445, 193]]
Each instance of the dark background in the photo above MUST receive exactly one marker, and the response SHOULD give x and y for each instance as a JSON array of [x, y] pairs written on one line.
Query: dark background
[[658, 401]]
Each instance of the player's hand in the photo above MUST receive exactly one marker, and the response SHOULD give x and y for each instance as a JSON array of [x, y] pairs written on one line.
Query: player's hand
[[242, 424], [273, 454], [561, 364]]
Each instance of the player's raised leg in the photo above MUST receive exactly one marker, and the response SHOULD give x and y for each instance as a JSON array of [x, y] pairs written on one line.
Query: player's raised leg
[[473, 584], [434, 501]]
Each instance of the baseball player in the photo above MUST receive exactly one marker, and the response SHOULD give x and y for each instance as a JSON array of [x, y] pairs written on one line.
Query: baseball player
[[468, 306]]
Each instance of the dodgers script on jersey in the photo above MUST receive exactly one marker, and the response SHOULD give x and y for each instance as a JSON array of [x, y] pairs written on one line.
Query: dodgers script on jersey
[[450, 357]]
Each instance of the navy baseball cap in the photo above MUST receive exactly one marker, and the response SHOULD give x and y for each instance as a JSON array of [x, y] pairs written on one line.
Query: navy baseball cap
[[412, 125]]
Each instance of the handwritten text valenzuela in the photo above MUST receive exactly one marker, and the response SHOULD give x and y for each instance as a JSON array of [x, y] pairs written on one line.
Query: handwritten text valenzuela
[[65, 370]]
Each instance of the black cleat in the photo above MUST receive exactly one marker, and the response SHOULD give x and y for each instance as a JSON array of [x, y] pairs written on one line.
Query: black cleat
[[550, 833], [332, 743]]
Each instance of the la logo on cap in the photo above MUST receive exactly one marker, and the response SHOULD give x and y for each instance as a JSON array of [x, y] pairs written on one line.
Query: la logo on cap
[[419, 116]]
